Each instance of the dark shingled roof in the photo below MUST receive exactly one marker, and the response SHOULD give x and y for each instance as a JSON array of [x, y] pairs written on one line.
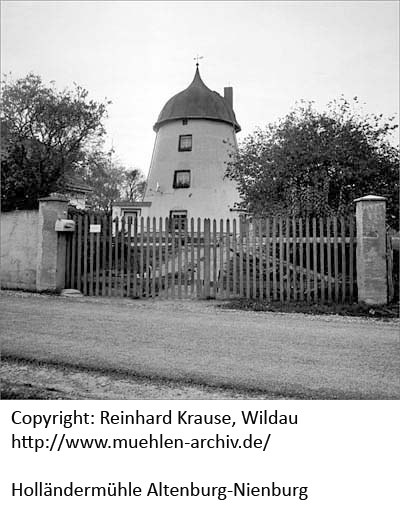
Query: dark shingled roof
[[74, 183], [197, 101]]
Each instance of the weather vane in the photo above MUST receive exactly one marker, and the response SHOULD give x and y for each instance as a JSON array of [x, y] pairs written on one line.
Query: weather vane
[[198, 58]]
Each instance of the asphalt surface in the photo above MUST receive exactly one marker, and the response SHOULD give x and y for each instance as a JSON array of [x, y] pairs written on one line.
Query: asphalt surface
[[293, 356]]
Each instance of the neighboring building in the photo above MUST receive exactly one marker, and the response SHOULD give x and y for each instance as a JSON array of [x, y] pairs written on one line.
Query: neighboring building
[[129, 209], [196, 132], [76, 190]]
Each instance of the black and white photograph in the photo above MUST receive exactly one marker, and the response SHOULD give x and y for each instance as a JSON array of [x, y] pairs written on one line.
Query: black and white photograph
[[200, 229]]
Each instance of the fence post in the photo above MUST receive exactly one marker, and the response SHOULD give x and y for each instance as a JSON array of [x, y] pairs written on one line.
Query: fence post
[[50, 271], [371, 250], [207, 245]]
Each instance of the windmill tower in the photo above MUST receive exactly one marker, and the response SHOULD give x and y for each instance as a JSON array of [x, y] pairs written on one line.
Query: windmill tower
[[196, 132]]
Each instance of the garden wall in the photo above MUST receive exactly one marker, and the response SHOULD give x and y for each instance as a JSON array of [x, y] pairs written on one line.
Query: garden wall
[[19, 247]]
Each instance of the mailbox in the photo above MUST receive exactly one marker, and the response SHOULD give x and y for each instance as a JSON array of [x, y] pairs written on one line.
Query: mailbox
[[65, 225]]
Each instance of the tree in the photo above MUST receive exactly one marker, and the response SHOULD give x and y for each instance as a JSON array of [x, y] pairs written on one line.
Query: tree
[[133, 185], [104, 177], [317, 163], [44, 134], [109, 179]]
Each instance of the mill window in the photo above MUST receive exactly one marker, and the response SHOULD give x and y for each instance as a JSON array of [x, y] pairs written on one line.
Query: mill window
[[182, 179], [185, 142], [184, 121], [178, 219]]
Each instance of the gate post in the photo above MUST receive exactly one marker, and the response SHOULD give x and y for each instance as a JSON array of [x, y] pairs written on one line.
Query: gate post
[[50, 270], [371, 250]]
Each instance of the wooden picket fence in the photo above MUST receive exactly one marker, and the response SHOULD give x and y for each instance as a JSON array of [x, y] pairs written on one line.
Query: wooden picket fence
[[285, 259]]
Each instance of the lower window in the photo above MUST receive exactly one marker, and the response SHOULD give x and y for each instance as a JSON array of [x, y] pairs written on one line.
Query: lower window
[[178, 219]]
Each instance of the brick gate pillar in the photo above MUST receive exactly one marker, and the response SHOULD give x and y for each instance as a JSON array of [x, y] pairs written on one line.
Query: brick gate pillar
[[371, 250], [50, 271]]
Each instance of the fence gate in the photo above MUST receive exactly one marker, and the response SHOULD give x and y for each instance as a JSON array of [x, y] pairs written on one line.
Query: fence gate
[[285, 259]]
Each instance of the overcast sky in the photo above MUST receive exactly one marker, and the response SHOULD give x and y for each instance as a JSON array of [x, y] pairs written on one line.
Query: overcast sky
[[139, 54]]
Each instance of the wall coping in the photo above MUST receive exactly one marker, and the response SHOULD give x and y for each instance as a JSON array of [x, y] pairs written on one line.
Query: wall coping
[[132, 204], [370, 198], [56, 197]]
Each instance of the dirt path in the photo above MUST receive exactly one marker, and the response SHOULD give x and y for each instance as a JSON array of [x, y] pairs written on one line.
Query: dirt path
[[186, 342]]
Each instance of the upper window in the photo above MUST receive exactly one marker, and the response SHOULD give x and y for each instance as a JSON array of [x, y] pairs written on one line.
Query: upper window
[[182, 179], [185, 142], [184, 121]]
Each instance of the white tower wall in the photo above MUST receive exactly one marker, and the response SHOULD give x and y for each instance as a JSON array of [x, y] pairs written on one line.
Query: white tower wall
[[210, 194]]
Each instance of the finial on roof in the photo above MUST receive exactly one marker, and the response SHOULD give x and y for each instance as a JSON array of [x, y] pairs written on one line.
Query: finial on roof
[[197, 59]]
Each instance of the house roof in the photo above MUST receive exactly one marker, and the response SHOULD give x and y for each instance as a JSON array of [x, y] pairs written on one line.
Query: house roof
[[195, 102], [74, 183]]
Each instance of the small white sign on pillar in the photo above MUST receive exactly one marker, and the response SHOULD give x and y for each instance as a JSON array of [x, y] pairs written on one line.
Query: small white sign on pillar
[[95, 229]]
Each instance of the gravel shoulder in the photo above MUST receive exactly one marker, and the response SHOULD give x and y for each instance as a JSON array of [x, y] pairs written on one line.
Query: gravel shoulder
[[200, 345], [23, 380]]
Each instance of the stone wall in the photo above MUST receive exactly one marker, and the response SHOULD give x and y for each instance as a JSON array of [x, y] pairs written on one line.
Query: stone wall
[[19, 249]]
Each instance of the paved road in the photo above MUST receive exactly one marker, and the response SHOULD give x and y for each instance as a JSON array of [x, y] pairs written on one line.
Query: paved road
[[284, 355]]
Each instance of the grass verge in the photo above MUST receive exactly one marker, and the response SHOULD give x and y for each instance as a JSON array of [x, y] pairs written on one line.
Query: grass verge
[[354, 310]]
